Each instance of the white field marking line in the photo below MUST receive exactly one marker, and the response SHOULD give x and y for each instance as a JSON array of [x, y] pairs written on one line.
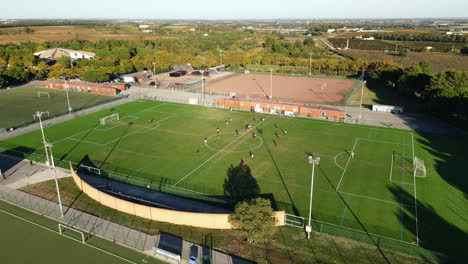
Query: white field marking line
[[381, 141], [105, 144], [391, 168], [58, 233], [412, 143], [334, 158], [214, 155], [231, 151], [346, 166], [140, 130], [416, 212], [117, 123], [100, 125], [391, 173], [359, 231], [376, 199]]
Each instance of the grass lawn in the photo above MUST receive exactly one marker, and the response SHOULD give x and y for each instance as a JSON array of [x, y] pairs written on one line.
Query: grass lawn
[[18, 105], [373, 192], [40, 243]]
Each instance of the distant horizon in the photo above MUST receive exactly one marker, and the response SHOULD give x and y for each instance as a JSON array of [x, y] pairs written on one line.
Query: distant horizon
[[238, 10], [232, 19]]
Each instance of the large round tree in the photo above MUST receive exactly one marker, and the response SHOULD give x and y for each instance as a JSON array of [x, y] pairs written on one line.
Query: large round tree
[[95, 76]]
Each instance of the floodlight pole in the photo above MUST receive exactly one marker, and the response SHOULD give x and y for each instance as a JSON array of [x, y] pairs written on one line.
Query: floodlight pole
[[313, 161], [310, 64], [202, 88], [154, 68], [220, 57], [360, 104], [66, 91], [39, 115], [271, 83], [50, 145]]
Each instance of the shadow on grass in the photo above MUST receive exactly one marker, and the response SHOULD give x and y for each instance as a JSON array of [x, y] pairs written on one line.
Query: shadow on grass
[[294, 208], [447, 241], [240, 185]]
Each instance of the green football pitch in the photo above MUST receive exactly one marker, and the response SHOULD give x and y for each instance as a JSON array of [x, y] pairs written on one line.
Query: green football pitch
[[18, 105], [372, 191], [26, 242]]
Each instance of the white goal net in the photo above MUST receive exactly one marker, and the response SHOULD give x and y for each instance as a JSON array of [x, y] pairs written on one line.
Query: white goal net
[[91, 169], [419, 168], [43, 95], [64, 228], [109, 118]]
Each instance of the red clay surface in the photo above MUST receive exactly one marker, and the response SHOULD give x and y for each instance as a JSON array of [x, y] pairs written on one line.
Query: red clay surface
[[303, 89]]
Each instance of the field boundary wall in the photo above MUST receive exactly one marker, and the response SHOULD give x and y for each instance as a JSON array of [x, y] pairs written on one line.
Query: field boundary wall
[[202, 220]]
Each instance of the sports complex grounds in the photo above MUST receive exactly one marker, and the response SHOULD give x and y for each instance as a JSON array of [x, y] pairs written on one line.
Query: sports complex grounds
[[365, 182]]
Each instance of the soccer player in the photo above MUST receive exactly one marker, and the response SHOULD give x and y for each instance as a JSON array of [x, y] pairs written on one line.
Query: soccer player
[[206, 140], [352, 154], [237, 131], [251, 155], [230, 119], [197, 153], [217, 131], [285, 132], [276, 143]]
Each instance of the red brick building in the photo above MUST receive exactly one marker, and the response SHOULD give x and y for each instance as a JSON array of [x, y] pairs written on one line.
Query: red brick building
[[98, 88], [285, 108]]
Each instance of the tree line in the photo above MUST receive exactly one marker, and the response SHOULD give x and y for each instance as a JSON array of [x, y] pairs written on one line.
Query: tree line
[[420, 37], [444, 94]]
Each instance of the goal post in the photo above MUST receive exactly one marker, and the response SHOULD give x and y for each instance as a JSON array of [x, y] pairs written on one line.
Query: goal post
[[64, 228], [91, 169], [109, 118], [419, 168], [43, 94]]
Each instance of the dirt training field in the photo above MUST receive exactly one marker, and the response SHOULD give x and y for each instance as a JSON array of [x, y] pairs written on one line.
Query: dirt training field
[[304, 89]]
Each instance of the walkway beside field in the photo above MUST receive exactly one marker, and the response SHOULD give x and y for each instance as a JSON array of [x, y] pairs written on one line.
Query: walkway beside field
[[20, 173], [408, 121]]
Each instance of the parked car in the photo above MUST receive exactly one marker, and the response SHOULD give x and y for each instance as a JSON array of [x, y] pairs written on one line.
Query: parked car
[[193, 260]]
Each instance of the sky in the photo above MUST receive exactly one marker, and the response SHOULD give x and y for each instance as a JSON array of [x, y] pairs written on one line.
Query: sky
[[232, 9]]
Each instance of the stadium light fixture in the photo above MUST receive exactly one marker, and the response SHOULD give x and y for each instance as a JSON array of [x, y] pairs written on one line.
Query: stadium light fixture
[[50, 145], [313, 161], [39, 114]]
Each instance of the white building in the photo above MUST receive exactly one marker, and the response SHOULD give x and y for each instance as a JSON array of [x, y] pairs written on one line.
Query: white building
[[144, 26], [57, 53]]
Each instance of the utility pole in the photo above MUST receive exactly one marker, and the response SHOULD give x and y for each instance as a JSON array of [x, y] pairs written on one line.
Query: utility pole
[[313, 161], [154, 68], [271, 83], [360, 104], [310, 63], [39, 115], [50, 145], [66, 91], [220, 57]]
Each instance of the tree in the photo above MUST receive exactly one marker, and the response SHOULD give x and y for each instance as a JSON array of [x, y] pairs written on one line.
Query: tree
[[254, 220], [404, 52], [15, 75], [64, 61], [2, 82], [95, 76]]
